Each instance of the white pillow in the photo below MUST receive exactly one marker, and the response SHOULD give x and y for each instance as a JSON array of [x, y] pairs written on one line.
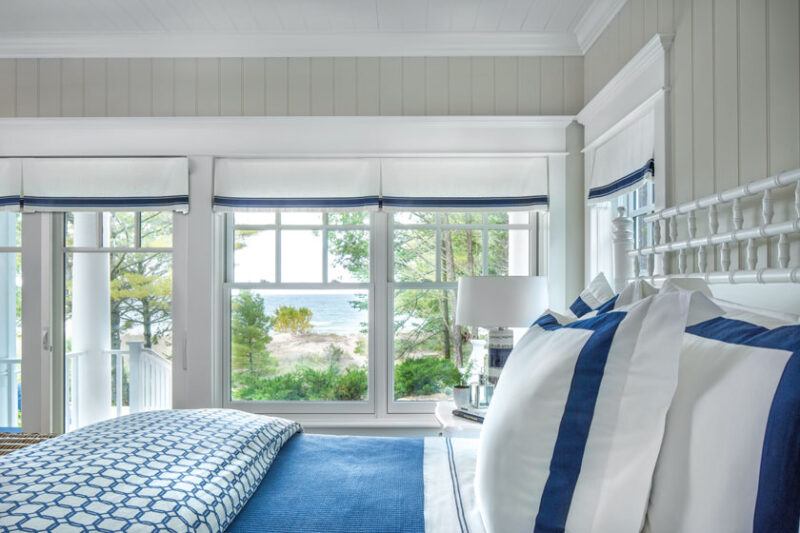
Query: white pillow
[[597, 293], [730, 459], [573, 431]]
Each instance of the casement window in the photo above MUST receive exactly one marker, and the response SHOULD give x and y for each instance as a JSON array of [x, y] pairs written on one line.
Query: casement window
[[10, 319]]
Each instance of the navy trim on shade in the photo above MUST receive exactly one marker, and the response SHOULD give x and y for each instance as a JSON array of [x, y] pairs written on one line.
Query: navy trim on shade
[[10, 200], [86, 202], [439, 202], [573, 432], [623, 182], [266, 203], [778, 498], [579, 307]]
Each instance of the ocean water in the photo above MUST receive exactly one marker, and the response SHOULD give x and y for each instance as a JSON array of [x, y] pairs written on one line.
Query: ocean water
[[331, 311]]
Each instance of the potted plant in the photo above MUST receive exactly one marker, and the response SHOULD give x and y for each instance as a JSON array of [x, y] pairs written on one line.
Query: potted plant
[[461, 390]]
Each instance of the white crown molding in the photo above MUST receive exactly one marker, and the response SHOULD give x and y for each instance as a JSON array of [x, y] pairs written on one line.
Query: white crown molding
[[599, 14], [646, 74], [372, 44]]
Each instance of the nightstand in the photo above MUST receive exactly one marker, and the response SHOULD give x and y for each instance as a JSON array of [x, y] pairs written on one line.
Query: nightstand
[[455, 426]]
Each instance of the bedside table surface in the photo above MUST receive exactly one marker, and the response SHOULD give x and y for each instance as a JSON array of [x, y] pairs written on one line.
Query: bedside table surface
[[455, 426]]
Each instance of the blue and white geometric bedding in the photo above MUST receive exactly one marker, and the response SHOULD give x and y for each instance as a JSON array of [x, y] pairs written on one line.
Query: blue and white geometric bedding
[[174, 470]]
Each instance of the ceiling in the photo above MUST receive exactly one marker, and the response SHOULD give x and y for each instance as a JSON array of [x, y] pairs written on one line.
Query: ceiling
[[157, 28]]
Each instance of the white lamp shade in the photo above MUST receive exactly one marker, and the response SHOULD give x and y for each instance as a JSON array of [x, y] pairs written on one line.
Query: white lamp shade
[[492, 302]]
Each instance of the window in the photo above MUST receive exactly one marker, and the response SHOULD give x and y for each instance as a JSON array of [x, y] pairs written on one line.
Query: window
[[10, 319], [637, 204], [117, 314], [302, 289], [298, 292], [430, 251]]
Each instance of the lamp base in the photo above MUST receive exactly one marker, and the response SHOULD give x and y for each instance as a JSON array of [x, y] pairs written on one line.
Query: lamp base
[[500, 344]]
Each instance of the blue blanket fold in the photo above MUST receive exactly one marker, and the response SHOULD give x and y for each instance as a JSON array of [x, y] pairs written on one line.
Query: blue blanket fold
[[321, 483]]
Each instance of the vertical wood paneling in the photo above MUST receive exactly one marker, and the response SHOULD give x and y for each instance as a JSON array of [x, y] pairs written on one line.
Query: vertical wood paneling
[[163, 87], [72, 87], [296, 86], [459, 79], [391, 86], [253, 80], [344, 86], [682, 124], [185, 87], [368, 88], [208, 86], [752, 91], [299, 86], [231, 90], [141, 87], [413, 85], [506, 85], [703, 97], [322, 86], [49, 88], [783, 67], [530, 86], [436, 86], [726, 94], [94, 87], [8, 87], [277, 93], [117, 101], [552, 85], [482, 86]]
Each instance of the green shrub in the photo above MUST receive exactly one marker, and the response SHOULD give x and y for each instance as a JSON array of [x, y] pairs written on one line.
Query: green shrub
[[303, 384], [295, 320], [420, 376]]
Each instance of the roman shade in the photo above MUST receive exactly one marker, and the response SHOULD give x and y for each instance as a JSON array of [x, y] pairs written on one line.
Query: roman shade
[[10, 184], [105, 184], [324, 184], [624, 161], [480, 183]]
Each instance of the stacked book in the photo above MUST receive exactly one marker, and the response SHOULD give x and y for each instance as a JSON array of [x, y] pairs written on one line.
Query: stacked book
[[475, 415]]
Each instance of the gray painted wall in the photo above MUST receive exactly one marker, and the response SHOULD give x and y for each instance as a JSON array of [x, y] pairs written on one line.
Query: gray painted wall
[[296, 86], [735, 96]]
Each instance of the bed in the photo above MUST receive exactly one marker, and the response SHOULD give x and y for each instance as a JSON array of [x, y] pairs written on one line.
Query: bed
[[211, 470]]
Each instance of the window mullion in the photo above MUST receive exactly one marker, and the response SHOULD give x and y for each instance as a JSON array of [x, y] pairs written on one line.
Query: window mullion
[[325, 247], [278, 233], [438, 255]]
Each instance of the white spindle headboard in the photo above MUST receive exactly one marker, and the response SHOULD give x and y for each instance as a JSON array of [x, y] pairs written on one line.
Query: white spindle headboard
[[744, 253]]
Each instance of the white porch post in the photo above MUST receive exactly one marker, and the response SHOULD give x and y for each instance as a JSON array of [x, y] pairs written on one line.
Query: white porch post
[[91, 323], [8, 322], [135, 378]]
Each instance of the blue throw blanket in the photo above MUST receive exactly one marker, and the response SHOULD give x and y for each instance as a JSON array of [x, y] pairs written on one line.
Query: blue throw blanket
[[340, 484], [176, 471]]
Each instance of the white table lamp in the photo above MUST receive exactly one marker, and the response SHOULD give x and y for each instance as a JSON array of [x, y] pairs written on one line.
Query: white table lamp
[[500, 303]]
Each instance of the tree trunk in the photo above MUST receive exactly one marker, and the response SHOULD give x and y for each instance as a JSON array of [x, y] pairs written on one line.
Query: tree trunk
[[449, 272]]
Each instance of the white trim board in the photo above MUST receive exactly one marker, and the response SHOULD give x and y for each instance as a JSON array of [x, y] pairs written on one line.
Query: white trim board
[[595, 19], [284, 136], [356, 44]]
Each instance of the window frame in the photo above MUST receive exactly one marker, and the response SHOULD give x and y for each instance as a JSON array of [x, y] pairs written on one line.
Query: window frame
[[16, 249], [229, 284], [532, 226], [58, 310]]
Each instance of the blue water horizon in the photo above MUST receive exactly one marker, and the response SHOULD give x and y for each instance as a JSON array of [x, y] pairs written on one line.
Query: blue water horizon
[[331, 313]]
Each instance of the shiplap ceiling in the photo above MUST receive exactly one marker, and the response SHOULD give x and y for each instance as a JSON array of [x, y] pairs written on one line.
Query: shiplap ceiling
[[220, 28]]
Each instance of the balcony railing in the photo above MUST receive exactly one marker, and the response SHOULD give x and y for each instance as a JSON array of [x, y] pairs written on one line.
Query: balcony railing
[[9, 391], [148, 377]]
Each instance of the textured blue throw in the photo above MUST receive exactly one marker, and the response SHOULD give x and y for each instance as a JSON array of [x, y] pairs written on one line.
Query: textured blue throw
[[321, 483]]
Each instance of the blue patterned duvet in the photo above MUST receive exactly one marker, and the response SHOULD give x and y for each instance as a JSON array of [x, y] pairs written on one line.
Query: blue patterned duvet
[[176, 470]]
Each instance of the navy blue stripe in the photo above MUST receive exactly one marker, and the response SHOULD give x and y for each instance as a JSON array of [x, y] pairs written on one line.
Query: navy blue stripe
[[498, 201], [778, 500], [10, 200], [141, 201], [623, 182], [609, 305], [565, 464], [579, 307], [356, 201], [462, 519]]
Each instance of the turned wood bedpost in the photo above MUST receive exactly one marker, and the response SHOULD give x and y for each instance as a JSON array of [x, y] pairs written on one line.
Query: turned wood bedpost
[[623, 242]]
